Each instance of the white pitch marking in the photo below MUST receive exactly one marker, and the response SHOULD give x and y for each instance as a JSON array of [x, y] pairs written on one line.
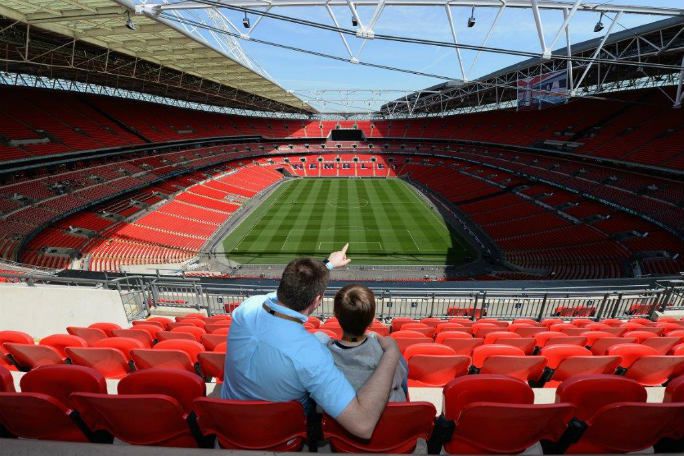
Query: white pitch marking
[[414, 241]]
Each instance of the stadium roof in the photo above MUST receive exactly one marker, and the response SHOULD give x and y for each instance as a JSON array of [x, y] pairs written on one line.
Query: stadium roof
[[647, 55], [186, 66]]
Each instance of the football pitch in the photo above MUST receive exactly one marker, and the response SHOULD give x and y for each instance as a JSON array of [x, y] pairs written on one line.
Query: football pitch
[[384, 221]]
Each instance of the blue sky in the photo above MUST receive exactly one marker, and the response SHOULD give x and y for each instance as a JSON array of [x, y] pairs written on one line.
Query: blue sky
[[306, 74]]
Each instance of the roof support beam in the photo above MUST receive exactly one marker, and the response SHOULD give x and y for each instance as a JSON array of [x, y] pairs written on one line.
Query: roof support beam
[[454, 36], [597, 51]]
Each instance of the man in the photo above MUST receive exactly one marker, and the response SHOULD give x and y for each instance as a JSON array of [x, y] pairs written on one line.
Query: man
[[272, 357]]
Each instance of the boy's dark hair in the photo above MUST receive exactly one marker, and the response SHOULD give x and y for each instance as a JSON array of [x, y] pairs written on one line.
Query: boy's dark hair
[[355, 308], [303, 280]]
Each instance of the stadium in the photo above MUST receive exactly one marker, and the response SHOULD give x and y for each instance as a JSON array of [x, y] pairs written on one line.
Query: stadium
[[508, 177]]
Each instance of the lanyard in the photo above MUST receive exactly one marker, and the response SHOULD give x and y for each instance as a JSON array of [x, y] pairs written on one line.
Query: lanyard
[[275, 313]]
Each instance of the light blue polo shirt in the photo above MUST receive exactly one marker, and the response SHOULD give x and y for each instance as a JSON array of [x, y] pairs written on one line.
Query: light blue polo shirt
[[274, 359]]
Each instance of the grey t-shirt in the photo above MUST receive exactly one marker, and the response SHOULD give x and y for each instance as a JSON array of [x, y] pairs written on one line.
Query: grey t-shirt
[[358, 364]]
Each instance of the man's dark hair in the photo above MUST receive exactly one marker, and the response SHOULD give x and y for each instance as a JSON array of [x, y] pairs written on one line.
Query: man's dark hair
[[303, 280], [355, 309]]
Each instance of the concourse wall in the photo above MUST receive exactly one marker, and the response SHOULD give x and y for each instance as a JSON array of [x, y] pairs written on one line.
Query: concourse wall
[[44, 310]]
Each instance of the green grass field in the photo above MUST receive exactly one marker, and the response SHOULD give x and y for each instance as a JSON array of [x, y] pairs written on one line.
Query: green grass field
[[384, 221]]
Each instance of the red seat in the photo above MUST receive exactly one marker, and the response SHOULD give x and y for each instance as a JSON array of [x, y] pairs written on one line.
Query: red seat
[[630, 353], [567, 340], [194, 330], [212, 364], [530, 331], [90, 335], [626, 427], [486, 427], [211, 328], [482, 329], [30, 356], [582, 322], [60, 341], [644, 365], [507, 360], [192, 348], [106, 327], [675, 390], [494, 321], [196, 322], [434, 364], [152, 329], [16, 337], [168, 335], [162, 321], [38, 416], [492, 337], [565, 361], [140, 335], [6, 381], [455, 327], [137, 419], [110, 362], [148, 358], [398, 430], [210, 341], [315, 321], [526, 344], [426, 330], [123, 344], [180, 385], [60, 381], [224, 330], [397, 322], [432, 321], [589, 393], [593, 336], [640, 336], [461, 345], [662, 344], [463, 391], [542, 338], [379, 328], [525, 321], [601, 346], [253, 425], [221, 348]]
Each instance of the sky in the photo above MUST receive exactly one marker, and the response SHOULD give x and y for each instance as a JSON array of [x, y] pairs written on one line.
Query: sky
[[331, 86]]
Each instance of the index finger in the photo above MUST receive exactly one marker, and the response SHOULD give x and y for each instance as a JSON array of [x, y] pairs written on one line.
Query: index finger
[[344, 249]]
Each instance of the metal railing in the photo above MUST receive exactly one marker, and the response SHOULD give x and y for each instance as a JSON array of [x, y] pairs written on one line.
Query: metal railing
[[140, 294]]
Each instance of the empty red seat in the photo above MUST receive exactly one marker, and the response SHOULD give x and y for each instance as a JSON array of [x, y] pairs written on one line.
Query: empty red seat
[[398, 322], [593, 336], [148, 358], [463, 391], [460, 345], [6, 381], [253, 425], [191, 347], [162, 321], [542, 338], [212, 364], [212, 340], [426, 330], [434, 364], [567, 340], [90, 335], [644, 365], [168, 335], [225, 326], [675, 390], [140, 335], [626, 427], [482, 329], [526, 344], [565, 361], [137, 419], [60, 381], [492, 337], [151, 329], [106, 327], [640, 336], [180, 385], [589, 393], [38, 416], [432, 321], [601, 346], [530, 331], [451, 327], [60, 341], [507, 360], [17, 337], [30, 356], [663, 345], [194, 330], [398, 430], [123, 344], [110, 362]]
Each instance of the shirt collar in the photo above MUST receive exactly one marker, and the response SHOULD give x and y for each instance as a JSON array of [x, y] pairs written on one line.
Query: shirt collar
[[272, 302]]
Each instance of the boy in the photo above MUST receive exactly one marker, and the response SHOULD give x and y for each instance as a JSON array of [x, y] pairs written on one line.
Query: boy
[[357, 354]]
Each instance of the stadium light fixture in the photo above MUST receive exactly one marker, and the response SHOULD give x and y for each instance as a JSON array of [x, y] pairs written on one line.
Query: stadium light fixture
[[471, 20], [355, 22], [245, 21], [599, 25], [130, 25]]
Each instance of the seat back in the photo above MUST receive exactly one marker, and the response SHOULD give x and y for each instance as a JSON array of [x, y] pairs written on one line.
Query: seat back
[[90, 335], [590, 393], [528, 331], [663, 345], [60, 381], [426, 330], [481, 353], [123, 344], [654, 370], [60, 341], [555, 354], [110, 362], [147, 358], [485, 427], [601, 346], [253, 425], [140, 335], [526, 344], [210, 341], [462, 391], [675, 390], [398, 322], [462, 346], [450, 326], [436, 370], [427, 349], [626, 427], [145, 419], [168, 335], [640, 336], [399, 428], [192, 348], [30, 356], [6, 381], [183, 386], [593, 336], [567, 340], [492, 337], [629, 353], [17, 337], [527, 368], [212, 364], [38, 416], [195, 331], [107, 327]]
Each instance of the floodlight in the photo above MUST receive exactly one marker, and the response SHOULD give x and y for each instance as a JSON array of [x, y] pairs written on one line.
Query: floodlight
[[245, 21], [599, 25], [354, 21], [130, 25], [471, 20]]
